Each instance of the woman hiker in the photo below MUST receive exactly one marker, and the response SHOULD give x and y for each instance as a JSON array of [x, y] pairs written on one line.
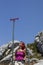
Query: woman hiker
[[20, 54]]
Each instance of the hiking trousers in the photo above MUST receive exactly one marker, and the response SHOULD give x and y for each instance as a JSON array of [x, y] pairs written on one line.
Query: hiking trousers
[[19, 62]]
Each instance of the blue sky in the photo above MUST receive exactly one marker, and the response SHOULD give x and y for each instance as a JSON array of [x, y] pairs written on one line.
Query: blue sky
[[30, 14]]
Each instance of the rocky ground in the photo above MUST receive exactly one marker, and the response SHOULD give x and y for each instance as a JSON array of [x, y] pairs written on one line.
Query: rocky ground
[[40, 62], [36, 55]]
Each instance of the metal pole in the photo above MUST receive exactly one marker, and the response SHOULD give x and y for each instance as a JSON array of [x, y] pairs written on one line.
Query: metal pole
[[13, 26]]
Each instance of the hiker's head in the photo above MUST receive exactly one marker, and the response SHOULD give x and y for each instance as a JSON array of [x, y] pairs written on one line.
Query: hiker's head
[[22, 44]]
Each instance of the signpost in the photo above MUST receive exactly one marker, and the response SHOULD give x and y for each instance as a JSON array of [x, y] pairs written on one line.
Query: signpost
[[13, 26]]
